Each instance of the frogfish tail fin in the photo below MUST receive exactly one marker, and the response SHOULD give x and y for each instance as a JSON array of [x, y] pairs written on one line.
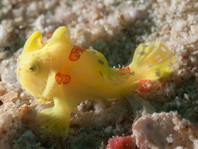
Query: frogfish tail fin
[[152, 61]]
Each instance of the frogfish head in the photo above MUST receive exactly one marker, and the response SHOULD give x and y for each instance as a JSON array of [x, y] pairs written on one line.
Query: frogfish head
[[40, 58]]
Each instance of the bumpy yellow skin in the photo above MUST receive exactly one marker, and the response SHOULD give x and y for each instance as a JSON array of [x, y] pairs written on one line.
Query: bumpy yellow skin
[[66, 74]]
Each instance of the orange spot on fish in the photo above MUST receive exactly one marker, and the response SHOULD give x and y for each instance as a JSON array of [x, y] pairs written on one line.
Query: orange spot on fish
[[122, 74], [66, 79], [62, 78], [125, 68], [59, 78], [75, 54]]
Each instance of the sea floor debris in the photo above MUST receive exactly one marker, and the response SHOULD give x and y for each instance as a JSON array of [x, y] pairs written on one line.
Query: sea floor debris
[[105, 26]]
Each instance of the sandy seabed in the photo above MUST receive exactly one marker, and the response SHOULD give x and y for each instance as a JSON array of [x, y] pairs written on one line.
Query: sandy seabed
[[164, 118]]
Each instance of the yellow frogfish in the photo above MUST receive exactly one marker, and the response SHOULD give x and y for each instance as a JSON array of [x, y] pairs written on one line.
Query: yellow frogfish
[[58, 71]]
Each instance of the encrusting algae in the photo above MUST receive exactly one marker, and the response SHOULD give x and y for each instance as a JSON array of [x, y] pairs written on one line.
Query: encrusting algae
[[56, 70]]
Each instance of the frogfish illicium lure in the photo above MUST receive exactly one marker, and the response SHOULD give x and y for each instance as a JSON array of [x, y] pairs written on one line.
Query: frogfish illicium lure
[[58, 71]]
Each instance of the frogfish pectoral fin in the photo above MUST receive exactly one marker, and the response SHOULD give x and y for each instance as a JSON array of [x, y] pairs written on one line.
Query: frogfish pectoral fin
[[56, 119]]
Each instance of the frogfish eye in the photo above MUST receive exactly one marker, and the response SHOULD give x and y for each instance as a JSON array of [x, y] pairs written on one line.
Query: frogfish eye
[[33, 68]]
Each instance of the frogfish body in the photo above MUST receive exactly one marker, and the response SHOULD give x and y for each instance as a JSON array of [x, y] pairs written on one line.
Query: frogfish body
[[58, 71]]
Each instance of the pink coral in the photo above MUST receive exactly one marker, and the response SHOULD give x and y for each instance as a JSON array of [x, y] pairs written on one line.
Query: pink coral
[[164, 130]]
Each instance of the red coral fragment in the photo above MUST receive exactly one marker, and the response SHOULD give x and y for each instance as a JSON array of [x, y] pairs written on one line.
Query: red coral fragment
[[121, 143], [147, 85], [185, 57]]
